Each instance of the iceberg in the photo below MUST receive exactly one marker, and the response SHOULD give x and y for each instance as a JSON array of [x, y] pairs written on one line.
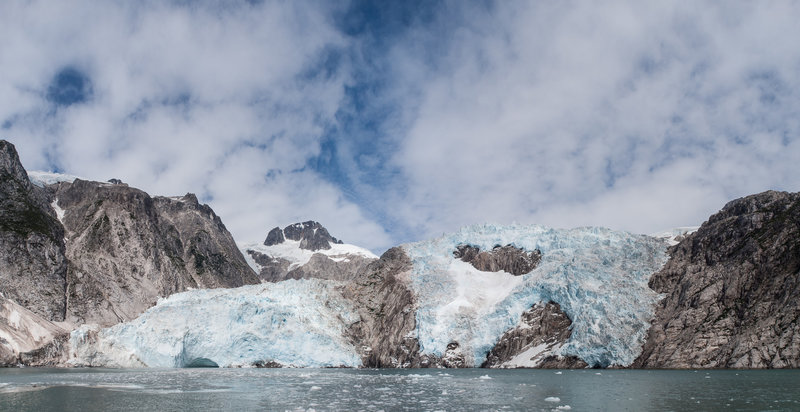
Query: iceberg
[[598, 276]]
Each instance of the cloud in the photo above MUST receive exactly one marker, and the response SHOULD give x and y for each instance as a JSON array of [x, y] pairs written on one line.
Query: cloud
[[218, 99], [395, 122], [633, 116]]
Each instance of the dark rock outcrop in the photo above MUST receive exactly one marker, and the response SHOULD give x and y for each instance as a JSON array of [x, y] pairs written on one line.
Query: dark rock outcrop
[[274, 237], [732, 291], [507, 258], [311, 235], [387, 310], [33, 266], [543, 326]]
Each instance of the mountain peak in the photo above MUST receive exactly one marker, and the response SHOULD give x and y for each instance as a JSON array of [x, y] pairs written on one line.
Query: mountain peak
[[311, 235]]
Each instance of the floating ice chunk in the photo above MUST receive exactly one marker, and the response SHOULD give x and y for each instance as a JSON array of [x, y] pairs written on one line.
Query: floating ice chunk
[[552, 399], [485, 377], [563, 407]]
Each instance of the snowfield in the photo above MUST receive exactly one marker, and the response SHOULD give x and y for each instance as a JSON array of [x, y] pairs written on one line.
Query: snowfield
[[290, 250]]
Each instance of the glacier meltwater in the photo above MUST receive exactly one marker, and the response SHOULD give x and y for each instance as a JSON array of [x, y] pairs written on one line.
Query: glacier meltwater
[[598, 276], [298, 323]]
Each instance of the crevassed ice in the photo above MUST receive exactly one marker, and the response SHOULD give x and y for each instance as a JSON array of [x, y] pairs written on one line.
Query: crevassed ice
[[598, 276], [298, 323], [42, 179]]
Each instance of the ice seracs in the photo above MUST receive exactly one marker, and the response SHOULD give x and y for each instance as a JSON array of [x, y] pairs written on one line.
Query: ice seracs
[[598, 277], [296, 323]]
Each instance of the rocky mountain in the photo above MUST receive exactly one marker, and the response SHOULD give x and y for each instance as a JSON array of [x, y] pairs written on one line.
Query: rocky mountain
[[102, 274], [304, 251], [33, 264], [82, 252], [732, 290]]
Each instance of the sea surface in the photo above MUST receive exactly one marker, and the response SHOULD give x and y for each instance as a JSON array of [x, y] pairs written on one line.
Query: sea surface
[[396, 390]]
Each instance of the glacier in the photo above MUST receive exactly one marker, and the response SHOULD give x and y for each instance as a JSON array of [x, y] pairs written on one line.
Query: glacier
[[296, 323], [597, 275]]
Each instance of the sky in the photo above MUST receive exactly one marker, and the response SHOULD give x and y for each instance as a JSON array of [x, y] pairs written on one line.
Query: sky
[[391, 122]]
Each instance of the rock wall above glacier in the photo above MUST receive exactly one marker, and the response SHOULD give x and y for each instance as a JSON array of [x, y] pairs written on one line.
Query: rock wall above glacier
[[126, 249], [732, 290], [33, 266]]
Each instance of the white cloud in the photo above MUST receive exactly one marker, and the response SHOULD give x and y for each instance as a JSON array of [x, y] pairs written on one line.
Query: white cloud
[[199, 98], [636, 116]]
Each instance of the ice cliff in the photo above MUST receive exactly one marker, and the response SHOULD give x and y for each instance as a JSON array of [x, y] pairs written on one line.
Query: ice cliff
[[298, 323], [598, 277]]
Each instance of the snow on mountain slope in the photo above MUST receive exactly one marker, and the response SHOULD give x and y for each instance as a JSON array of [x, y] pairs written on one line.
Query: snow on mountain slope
[[598, 276], [675, 235], [297, 323], [290, 250]]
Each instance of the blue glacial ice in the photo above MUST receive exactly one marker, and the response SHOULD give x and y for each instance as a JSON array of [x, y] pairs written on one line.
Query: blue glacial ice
[[299, 323], [598, 276]]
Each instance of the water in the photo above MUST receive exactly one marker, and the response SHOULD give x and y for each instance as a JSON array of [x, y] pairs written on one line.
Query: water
[[395, 390]]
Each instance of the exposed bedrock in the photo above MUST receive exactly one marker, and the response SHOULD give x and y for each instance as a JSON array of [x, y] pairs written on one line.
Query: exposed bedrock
[[507, 258], [33, 266], [311, 235], [732, 290], [386, 306], [127, 249], [542, 329]]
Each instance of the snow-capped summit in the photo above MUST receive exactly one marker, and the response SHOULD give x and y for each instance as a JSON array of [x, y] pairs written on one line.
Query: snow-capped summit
[[311, 235], [304, 250]]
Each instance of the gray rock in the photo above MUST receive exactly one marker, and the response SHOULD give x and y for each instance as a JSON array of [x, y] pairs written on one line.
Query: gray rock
[[507, 258], [387, 309], [33, 266], [541, 325], [311, 235], [732, 290], [274, 237], [127, 249]]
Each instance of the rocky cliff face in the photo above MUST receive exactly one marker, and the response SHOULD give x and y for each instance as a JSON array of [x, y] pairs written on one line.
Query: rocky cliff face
[[89, 252], [33, 266], [543, 329], [386, 306], [311, 235], [127, 249], [732, 290]]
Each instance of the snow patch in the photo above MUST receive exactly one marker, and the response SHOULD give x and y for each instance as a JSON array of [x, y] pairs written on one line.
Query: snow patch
[[290, 250], [59, 211], [675, 235]]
